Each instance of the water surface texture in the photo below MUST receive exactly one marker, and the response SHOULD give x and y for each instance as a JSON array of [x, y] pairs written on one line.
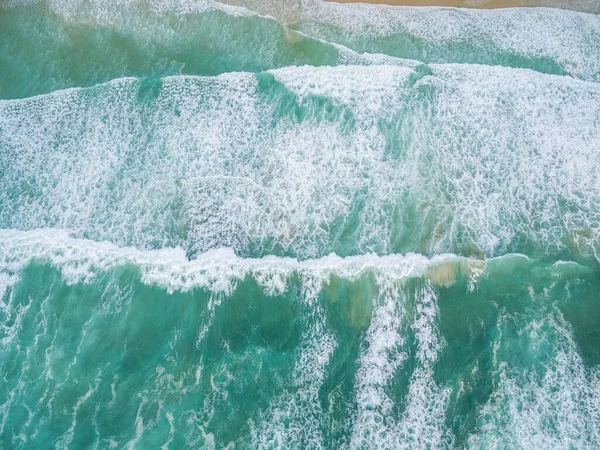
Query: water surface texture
[[281, 224]]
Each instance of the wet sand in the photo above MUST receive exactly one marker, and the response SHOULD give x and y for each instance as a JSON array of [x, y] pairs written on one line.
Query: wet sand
[[592, 6]]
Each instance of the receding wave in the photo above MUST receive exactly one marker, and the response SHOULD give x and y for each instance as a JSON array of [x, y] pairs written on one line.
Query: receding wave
[[536, 38], [104, 40], [107, 43]]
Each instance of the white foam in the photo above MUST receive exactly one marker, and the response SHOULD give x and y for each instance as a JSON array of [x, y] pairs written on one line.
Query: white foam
[[139, 425], [346, 84], [14, 313], [421, 423], [123, 12], [378, 361], [555, 406], [218, 270], [514, 150], [482, 156], [6, 281], [567, 37], [5, 409], [295, 416], [166, 445], [81, 261], [66, 438]]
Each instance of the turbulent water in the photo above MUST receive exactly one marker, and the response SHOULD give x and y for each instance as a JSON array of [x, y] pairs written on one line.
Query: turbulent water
[[270, 224]]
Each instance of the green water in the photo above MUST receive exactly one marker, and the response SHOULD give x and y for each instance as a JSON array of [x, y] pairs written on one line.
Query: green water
[[298, 225]]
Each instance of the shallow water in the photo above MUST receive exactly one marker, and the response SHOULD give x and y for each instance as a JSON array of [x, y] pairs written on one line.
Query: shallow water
[[298, 225]]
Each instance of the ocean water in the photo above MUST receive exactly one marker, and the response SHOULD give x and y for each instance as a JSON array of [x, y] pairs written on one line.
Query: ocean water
[[297, 224]]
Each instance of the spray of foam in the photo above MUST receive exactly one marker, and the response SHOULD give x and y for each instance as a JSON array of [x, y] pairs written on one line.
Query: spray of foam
[[378, 363], [486, 157], [422, 422], [218, 270]]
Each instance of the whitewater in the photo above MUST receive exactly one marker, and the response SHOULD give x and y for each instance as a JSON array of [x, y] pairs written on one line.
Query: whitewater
[[298, 224]]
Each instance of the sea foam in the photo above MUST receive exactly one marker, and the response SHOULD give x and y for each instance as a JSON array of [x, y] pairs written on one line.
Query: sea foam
[[465, 159]]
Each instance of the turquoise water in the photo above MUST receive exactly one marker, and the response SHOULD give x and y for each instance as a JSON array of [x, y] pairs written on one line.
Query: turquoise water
[[298, 225]]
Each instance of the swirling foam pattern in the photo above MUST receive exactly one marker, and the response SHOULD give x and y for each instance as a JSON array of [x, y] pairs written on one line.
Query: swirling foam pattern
[[261, 224]]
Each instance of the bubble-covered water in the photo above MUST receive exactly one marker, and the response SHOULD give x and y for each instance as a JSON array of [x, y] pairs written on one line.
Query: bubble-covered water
[[256, 224]]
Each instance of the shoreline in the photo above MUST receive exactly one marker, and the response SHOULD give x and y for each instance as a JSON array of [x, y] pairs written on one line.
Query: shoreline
[[575, 5]]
